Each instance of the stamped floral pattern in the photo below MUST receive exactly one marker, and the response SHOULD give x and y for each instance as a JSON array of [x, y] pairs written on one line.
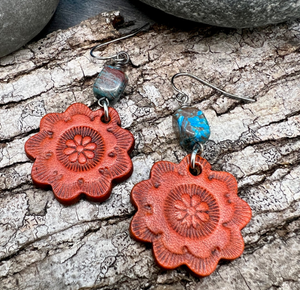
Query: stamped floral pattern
[[80, 149], [78, 154], [191, 211], [191, 220]]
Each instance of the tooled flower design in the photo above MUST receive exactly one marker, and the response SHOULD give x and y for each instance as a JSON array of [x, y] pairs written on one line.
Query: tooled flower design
[[191, 220], [76, 153], [80, 149], [191, 211]]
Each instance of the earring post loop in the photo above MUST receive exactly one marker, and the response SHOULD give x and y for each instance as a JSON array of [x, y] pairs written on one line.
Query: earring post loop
[[134, 32], [104, 103], [209, 85], [197, 147]]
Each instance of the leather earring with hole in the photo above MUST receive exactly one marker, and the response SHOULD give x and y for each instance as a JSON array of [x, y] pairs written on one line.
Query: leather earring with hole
[[191, 214], [80, 151]]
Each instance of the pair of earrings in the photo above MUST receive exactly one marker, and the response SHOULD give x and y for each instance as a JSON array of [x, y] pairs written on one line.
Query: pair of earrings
[[191, 214]]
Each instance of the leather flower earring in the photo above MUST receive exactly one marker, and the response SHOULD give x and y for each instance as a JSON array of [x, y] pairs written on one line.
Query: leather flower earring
[[191, 214], [80, 151]]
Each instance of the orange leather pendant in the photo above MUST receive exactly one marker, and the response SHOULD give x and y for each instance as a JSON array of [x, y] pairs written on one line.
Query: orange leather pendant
[[76, 153], [191, 220]]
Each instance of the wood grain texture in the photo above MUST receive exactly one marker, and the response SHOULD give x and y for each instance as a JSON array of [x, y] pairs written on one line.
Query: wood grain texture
[[44, 245]]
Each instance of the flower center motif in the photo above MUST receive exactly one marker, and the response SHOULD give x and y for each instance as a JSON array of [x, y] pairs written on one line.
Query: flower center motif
[[191, 211], [80, 149]]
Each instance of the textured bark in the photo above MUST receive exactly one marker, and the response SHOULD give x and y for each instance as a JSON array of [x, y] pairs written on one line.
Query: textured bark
[[45, 245]]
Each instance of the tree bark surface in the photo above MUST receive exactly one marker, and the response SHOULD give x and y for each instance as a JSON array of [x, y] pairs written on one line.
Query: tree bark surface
[[45, 245]]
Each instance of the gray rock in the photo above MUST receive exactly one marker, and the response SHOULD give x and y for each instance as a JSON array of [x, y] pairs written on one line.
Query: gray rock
[[231, 13], [20, 21]]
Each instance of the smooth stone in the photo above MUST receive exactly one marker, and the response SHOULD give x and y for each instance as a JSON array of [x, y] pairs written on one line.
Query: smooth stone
[[231, 13], [21, 20], [110, 83], [191, 127]]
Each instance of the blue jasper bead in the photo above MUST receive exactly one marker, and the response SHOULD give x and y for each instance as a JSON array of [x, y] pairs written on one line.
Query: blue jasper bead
[[110, 83], [191, 127]]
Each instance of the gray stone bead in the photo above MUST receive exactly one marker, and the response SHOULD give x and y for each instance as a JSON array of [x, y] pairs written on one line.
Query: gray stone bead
[[110, 84], [231, 13], [21, 20]]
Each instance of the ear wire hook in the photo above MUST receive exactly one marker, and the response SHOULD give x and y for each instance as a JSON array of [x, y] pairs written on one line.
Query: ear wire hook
[[183, 97], [119, 55]]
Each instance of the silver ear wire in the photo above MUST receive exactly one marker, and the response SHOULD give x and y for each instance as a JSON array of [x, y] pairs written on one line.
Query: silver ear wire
[[180, 93], [117, 56]]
